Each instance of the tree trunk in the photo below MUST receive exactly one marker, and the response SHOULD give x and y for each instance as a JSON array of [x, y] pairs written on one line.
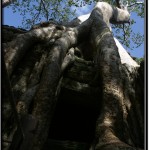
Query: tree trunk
[[54, 61]]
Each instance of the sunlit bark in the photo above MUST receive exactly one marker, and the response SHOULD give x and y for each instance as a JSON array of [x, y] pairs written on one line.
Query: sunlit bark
[[7, 2]]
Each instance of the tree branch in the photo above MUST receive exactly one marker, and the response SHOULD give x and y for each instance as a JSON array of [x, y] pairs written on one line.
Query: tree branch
[[121, 5], [118, 3], [35, 17], [8, 114], [124, 35], [47, 16], [137, 3], [133, 6], [15, 51], [5, 3]]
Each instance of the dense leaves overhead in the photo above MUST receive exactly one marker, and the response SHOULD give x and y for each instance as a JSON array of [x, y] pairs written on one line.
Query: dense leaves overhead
[[35, 11]]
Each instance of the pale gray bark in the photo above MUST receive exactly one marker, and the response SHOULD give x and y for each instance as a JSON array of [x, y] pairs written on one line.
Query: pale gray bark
[[6, 3]]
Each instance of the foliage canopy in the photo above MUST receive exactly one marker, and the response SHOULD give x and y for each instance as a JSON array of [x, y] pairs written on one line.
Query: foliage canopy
[[62, 11]]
